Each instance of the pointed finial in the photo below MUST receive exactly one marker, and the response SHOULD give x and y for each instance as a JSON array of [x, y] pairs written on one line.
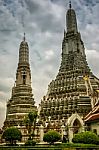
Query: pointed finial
[[24, 36], [70, 6]]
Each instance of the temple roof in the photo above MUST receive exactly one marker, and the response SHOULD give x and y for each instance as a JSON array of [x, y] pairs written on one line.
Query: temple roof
[[94, 114]]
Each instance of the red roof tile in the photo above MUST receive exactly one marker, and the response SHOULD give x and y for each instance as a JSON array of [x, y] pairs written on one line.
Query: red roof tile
[[93, 115]]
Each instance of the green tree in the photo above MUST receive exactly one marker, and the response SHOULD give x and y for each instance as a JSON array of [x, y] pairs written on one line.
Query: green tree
[[87, 137], [51, 137], [30, 121], [12, 135]]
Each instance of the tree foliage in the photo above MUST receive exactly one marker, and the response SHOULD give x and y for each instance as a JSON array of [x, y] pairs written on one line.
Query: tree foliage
[[51, 137], [12, 135], [87, 137], [30, 121]]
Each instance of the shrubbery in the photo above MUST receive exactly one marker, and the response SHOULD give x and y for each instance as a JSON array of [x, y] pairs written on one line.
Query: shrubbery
[[51, 137], [30, 143], [12, 135], [87, 137]]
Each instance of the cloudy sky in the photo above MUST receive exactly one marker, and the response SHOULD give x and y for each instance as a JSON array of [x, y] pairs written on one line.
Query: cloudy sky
[[43, 21]]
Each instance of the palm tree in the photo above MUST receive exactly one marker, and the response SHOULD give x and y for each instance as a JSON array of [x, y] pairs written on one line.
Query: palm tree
[[30, 121]]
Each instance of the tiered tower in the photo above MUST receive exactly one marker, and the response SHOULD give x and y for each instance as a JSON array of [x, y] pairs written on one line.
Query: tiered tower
[[75, 89], [21, 101]]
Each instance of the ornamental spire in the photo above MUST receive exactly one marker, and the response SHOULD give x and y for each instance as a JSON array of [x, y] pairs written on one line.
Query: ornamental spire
[[24, 37], [70, 6], [71, 20], [24, 51]]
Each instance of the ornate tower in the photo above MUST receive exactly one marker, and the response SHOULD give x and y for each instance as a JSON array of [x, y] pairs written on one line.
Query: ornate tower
[[75, 89], [21, 101]]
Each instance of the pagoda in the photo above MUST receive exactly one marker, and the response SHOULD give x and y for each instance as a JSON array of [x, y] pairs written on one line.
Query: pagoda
[[21, 101], [74, 92]]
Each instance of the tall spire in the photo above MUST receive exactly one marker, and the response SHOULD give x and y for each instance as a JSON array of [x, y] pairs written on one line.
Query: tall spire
[[24, 37], [24, 51], [21, 101], [71, 19], [23, 76]]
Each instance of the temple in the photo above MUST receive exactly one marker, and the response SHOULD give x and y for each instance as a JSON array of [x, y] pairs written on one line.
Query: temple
[[21, 101], [75, 90], [71, 104]]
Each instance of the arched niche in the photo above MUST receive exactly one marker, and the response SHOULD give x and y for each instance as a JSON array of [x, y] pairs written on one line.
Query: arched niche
[[75, 125], [73, 119]]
